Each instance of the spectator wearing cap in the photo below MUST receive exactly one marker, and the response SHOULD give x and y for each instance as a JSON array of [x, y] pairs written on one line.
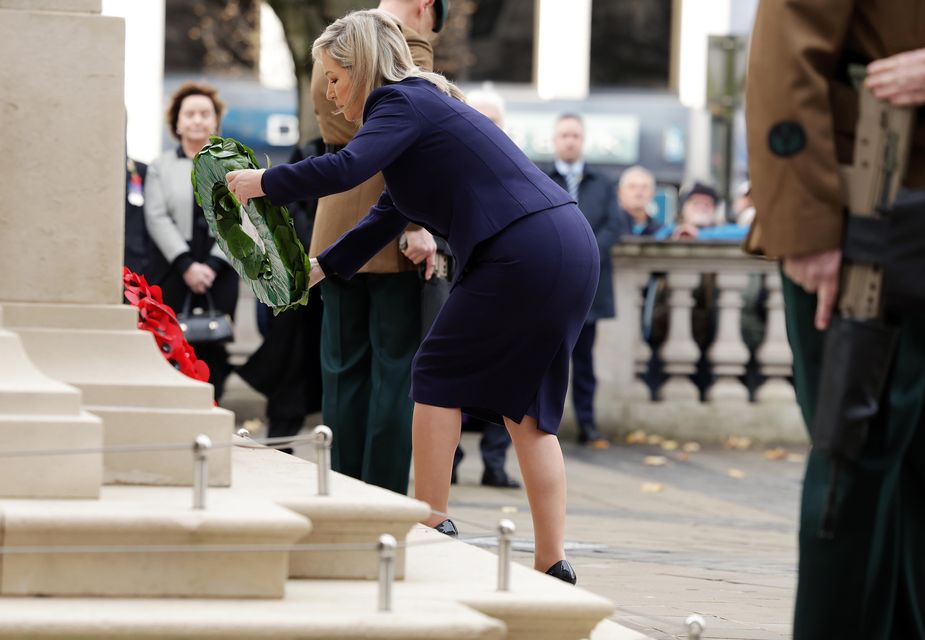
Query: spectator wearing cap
[[596, 197], [699, 217]]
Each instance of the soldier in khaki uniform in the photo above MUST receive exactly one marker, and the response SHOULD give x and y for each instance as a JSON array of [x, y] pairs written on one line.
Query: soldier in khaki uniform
[[371, 325], [868, 581]]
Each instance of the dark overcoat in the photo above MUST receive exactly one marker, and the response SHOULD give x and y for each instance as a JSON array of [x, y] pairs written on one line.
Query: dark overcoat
[[597, 199]]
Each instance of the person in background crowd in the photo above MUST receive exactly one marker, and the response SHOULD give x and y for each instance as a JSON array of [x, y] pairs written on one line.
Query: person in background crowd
[[137, 252], [371, 324], [495, 439], [596, 197], [635, 194], [189, 265], [699, 217]]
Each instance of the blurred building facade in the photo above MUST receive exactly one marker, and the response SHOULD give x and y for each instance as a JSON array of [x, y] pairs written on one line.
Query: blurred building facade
[[637, 70]]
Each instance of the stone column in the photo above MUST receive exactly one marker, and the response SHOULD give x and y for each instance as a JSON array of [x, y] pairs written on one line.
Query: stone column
[[642, 352], [680, 353], [774, 356], [62, 122], [728, 353]]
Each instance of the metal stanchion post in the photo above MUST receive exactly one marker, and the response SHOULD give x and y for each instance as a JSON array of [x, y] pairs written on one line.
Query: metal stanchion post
[[387, 546], [201, 446], [323, 439], [695, 626], [506, 529]]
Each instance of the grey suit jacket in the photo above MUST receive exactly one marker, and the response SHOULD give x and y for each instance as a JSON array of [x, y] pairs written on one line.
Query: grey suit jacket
[[169, 206]]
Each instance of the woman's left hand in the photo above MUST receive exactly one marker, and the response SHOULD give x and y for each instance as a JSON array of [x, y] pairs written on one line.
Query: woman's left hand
[[245, 184]]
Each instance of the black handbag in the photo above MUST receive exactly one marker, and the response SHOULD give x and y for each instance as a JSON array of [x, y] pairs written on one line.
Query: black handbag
[[208, 325]]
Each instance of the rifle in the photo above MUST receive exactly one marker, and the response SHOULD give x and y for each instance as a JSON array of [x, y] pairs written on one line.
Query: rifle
[[860, 342]]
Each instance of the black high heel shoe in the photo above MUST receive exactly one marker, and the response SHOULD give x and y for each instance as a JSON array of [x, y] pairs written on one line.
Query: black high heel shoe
[[447, 528], [563, 571]]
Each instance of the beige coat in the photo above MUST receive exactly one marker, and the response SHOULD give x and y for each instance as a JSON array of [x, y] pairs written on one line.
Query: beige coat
[[796, 74], [169, 205], [338, 213]]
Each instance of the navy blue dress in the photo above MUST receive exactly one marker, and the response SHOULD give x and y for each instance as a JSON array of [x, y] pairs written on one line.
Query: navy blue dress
[[528, 262]]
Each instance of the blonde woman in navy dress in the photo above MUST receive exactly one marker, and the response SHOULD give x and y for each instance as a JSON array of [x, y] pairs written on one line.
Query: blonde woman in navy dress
[[528, 261]]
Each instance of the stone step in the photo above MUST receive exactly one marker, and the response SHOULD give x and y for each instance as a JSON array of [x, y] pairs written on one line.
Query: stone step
[[50, 476], [162, 518], [436, 567], [355, 512], [537, 607], [311, 610]]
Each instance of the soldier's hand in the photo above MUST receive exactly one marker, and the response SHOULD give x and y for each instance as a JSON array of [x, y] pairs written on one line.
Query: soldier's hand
[[899, 79], [420, 247], [817, 274]]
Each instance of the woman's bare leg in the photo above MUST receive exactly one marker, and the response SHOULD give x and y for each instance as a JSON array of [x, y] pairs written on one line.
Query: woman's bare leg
[[543, 472], [435, 435]]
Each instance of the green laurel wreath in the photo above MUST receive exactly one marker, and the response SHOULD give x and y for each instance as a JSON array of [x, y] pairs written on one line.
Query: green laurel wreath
[[276, 267]]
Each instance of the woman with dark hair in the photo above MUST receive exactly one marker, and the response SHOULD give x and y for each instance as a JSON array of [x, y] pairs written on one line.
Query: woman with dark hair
[[528, 262], [189, 266]]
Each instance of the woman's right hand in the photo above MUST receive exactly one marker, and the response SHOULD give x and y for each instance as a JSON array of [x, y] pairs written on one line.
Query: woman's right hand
[[199, 277]]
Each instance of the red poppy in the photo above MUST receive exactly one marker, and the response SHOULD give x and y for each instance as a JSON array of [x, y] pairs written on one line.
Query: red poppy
[[158, 318]]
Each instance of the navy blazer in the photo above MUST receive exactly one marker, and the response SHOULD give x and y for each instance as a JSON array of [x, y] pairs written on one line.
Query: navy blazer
[[447, 168], [597, 199]]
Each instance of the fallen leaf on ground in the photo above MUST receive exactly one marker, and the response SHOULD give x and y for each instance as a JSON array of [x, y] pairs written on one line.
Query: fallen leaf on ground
[[655, 461], [652, 487], [670, 445], [796, 457], [637, 437], [738, 474], [738, 442], [655, 439], [776, 454], [509, 509], [691, 447], [684, 456]]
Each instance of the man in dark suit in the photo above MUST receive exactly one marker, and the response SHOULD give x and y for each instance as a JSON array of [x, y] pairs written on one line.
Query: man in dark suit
[[596, 197]]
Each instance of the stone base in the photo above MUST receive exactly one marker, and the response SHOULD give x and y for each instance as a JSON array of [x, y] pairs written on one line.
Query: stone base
[[125, 380], [37, 412], [126, 427], [713, 421], [161, 517], [54, 476]]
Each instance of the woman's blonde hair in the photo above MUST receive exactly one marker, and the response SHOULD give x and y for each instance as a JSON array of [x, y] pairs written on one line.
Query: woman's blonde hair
[[370, 46]]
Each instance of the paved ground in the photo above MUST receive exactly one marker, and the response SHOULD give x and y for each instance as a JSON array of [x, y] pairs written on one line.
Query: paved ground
[[713, 534]]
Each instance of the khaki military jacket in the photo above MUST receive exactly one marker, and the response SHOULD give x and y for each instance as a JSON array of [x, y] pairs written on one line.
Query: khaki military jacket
[[340, 212], [801, 112]]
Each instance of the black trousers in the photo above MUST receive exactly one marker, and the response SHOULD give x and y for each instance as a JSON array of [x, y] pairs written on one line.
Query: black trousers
[[583, 381]]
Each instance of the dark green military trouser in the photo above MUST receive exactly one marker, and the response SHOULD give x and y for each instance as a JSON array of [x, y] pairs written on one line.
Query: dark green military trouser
[[370, 332], [869, 581]]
